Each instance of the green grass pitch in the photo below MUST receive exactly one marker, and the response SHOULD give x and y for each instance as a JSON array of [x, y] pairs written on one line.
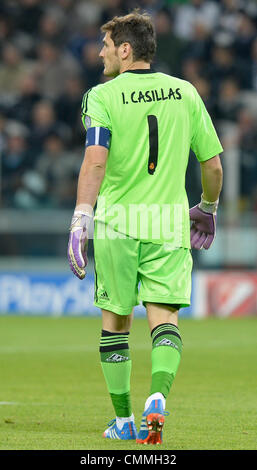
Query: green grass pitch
[[53, 395]]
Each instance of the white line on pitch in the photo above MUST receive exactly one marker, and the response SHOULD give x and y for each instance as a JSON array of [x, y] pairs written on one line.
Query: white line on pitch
[[24, 404], [9, 403]]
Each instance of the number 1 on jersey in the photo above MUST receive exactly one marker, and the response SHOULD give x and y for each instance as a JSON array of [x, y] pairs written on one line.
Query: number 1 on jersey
[[153, 143]]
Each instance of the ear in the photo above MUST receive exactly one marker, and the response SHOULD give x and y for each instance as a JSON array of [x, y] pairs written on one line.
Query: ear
[[125, 50]]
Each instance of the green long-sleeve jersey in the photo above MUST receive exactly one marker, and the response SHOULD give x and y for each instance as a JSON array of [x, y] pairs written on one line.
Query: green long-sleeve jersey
[[154, 119]]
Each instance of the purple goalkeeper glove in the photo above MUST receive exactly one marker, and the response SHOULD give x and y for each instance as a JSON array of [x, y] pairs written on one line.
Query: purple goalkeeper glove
[[78, 240], [203, 228]]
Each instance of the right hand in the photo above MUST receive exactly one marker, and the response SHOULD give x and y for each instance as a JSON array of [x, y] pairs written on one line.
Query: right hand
[[78, 241]]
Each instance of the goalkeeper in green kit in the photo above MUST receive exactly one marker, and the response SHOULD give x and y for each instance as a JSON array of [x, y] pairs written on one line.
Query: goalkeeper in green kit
[[140, 128]]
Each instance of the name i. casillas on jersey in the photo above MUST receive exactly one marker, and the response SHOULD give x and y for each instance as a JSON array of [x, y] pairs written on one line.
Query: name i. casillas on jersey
[[150, 95]]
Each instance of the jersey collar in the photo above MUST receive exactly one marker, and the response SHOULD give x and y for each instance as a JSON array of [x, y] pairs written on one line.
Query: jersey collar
[[151, 70]]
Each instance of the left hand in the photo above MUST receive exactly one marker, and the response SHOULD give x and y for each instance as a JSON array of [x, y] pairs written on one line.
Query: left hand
[[203, 228], [77, 246]]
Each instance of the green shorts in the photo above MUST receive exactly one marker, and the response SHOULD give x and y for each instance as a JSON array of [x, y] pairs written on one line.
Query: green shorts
[[128, 271]]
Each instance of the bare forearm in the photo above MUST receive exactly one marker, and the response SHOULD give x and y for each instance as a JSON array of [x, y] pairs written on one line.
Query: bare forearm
[[212, 177], [89, 183], [90, 177]]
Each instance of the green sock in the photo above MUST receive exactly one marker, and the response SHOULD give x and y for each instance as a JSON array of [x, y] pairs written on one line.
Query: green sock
[[166, 353], [116, 366]]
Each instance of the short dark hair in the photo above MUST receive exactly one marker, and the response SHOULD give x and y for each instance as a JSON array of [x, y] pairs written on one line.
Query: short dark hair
[[138, 30]]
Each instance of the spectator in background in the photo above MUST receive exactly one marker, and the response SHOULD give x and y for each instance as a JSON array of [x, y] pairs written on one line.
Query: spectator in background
[[3, 135], [44, 122], [246, 34], [53, 66], [85, 32], [87, 15], [247, 143], [68, 106], [67, 6], [28, 96], [200, 46], [150, 6], [92, 65], [52, 27], [8, 34], [229, 18], [203, 87], [253, 67], [223, 65], [6, 28], [228, 102], [168, 58], [192, 69], [16, 159], [59, 169], [86, 23], [29, 15], [113, 8], [12, 72], [196, 12]]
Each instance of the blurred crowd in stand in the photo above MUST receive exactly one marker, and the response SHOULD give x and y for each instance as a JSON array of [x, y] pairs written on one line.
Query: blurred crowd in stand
[[49, 57]]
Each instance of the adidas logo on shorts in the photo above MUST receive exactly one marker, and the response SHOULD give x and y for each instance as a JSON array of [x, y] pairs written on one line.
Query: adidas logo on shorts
[[166, 342], [117, 358], [104, 295]]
